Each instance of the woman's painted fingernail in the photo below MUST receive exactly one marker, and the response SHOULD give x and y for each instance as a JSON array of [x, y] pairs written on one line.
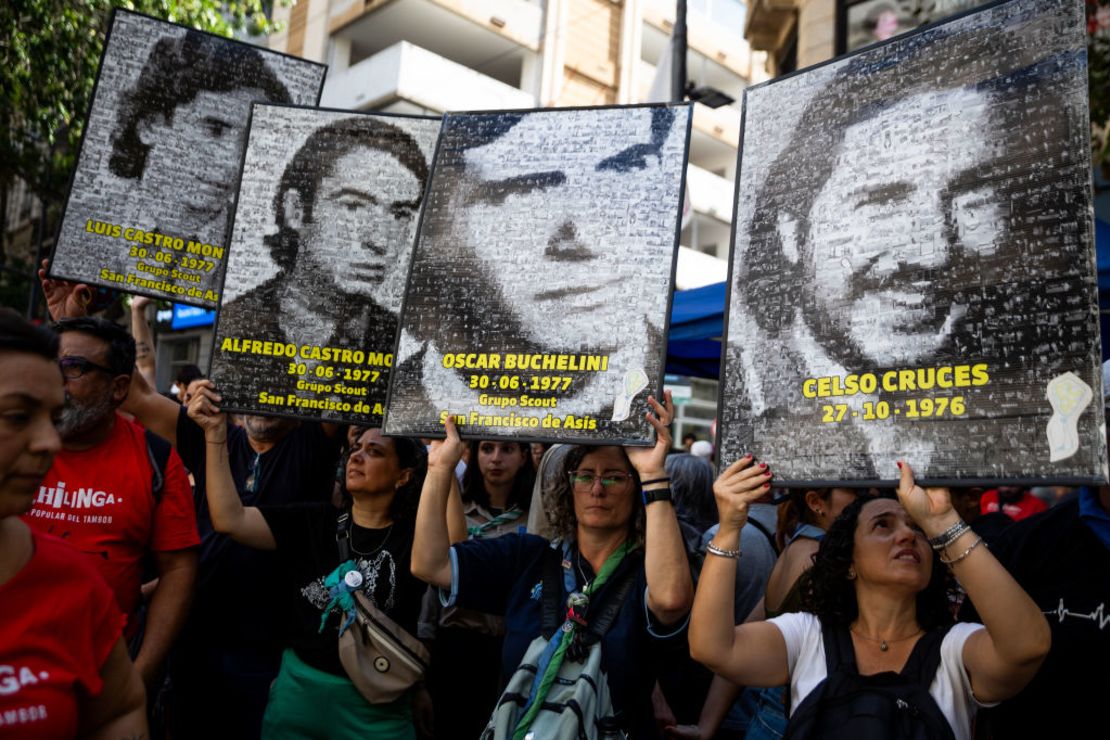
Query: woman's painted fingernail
[[899, 464], [766, 485], [763, 465]]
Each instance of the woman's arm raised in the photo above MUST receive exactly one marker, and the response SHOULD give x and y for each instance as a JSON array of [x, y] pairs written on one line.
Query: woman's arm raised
[[670, 588], [753, 653], [1004, 657], [431, 545]]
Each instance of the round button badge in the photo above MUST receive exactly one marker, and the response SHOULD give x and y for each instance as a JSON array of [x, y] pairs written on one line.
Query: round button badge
[[353, 579], [381, 664]]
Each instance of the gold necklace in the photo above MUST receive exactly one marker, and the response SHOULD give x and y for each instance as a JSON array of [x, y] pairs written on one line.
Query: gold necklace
[[884, 645]]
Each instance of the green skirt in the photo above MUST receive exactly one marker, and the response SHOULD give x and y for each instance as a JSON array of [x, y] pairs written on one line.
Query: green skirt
[[310, 703]]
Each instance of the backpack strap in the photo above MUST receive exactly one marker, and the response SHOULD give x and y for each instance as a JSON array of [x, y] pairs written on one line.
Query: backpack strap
[[554, 611], [158, 452], [924, 660], [839, 651], [921, 666]]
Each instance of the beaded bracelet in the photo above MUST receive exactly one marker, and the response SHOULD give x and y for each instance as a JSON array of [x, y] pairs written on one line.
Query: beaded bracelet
[[721, 553], [948, 536], [963, 555]]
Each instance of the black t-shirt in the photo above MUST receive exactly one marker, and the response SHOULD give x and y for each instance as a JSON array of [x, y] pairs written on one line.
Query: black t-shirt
[[1065, 568], [306, 548], [234, 602]]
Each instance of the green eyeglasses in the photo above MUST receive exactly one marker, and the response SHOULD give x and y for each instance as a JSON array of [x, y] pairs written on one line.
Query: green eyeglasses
[[585, 481]]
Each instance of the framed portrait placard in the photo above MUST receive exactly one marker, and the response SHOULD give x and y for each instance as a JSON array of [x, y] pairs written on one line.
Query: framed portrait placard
[[541, 280], [324, 223], [150, 201], [912, 274]]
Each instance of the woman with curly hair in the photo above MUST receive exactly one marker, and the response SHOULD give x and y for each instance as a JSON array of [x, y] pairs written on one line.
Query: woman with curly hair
[[382, 482], [619, 558], [878, 587]]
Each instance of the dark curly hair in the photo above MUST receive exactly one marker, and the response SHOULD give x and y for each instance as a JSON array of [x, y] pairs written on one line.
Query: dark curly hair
[[474, 484], [828, 593], [411, 454], [176, 71], [562, 516]]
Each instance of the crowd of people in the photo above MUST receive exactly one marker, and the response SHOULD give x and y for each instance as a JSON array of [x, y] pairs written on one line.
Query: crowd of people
[[560, 591]]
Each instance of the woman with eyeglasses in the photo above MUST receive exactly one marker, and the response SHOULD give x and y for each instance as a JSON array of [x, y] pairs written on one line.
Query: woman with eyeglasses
[[365, 546], [618, 569], [64, 668], [496, 494]]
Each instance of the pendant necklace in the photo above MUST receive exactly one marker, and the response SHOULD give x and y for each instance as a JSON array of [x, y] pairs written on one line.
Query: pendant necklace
[[884, 645], [585, 581]]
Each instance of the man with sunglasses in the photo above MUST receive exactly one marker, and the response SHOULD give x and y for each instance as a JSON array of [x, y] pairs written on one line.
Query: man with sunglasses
[[102, 493]]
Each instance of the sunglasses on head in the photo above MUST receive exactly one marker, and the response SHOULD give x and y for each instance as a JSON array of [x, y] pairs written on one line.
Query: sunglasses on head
[[74, 367]]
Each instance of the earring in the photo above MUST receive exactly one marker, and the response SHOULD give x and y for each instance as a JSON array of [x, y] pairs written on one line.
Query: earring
[[851, 574]]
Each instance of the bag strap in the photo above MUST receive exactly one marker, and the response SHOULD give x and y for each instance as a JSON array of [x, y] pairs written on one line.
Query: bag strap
[[158, 452], [343, 536], [766, 533]]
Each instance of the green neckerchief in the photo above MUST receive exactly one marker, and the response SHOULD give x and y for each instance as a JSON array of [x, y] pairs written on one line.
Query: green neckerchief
[[563, 637], [504, 517]]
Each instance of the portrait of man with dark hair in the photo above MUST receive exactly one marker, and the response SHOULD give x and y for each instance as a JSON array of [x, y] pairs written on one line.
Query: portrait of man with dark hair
[[337, 220], [912, 263], [151, 202], [549, 234]]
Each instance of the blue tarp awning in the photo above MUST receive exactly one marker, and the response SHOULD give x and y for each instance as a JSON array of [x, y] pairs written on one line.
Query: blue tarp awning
[[697, 322]]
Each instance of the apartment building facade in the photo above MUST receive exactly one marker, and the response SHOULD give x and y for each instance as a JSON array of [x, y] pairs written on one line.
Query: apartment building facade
[[433, 56]]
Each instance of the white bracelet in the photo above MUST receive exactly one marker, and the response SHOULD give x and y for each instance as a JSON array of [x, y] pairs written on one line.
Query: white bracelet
[[714, 550]]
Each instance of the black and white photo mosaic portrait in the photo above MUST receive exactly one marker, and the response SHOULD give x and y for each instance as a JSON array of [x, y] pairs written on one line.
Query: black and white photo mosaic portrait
[[541, 280], [912, 269], [151, 200], [324, 224]]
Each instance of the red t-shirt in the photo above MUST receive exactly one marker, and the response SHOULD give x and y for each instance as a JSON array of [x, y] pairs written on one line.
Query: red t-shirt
[[99, 500], [58, 623], [1024, 507]]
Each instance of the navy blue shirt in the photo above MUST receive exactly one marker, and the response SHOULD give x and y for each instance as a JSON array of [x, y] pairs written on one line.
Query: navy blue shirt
[[503, 575]]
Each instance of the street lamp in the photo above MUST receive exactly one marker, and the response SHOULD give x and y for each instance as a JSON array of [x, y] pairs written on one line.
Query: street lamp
[[709, 96], [681, 89]]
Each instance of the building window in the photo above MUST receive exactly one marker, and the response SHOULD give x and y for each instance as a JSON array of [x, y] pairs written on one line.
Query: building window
[[870, 21], [172, 354], [727, 13]]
